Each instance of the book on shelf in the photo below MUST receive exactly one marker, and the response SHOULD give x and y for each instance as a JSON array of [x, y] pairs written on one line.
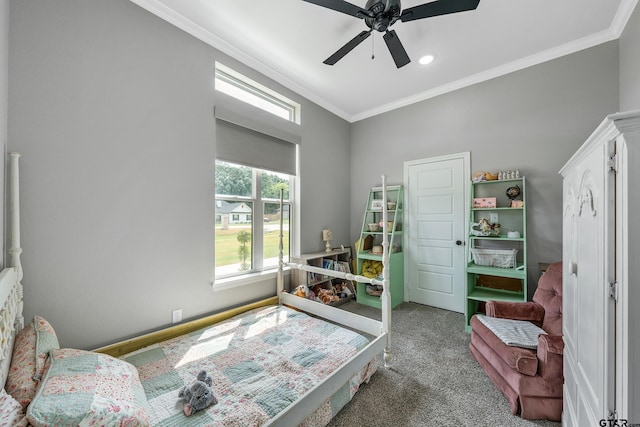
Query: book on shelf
[[342, 266], [313, 278]]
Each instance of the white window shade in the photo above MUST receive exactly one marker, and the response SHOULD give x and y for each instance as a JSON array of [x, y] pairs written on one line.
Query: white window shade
[[250, 136]]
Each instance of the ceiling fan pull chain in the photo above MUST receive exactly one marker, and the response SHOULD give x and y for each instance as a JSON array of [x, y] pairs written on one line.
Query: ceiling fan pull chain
[[372, 51]]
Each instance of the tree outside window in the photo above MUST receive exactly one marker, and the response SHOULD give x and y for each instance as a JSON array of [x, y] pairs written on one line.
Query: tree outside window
[[247, 219]]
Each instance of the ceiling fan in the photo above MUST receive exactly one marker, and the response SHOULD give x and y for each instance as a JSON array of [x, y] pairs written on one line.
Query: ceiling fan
[[379, 15]]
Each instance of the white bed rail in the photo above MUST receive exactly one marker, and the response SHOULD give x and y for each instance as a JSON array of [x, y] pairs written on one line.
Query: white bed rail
[[342, 317], [335, 273], [294, 415]]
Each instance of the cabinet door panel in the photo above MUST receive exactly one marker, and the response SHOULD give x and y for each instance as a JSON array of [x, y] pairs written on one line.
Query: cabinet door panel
[[569, 280], [588, 347]]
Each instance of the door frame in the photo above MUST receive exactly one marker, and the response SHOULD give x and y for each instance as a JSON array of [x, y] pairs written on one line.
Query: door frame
[[466, 175]]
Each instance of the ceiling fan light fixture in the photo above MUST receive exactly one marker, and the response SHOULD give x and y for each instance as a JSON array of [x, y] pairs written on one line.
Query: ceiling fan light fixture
[[426, 60], [379, 15]]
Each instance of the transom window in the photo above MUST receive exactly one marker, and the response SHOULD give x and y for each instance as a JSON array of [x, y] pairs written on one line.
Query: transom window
[[241, 87]]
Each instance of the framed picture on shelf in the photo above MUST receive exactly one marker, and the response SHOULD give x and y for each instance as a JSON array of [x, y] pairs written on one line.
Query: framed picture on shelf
[[377, 204]]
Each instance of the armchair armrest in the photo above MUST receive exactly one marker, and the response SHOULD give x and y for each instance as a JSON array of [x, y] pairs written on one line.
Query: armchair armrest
[[550, 349], [531, 311]]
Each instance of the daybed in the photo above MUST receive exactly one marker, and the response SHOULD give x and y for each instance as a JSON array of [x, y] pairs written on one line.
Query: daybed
[[276, 363], [530, 378]]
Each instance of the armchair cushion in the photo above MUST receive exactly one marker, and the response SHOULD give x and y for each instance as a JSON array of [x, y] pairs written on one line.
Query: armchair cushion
[[516, 333], [531, 311], [549, 295]]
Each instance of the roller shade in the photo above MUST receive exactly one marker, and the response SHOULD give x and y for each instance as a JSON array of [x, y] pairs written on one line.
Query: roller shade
[[252, 137]]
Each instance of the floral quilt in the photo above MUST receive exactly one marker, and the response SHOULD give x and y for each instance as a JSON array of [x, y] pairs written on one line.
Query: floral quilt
[[260, 362]]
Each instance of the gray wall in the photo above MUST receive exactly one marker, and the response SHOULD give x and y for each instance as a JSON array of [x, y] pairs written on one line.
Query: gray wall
[[630, 64], [532, 120], [4, 100], [112, 111]]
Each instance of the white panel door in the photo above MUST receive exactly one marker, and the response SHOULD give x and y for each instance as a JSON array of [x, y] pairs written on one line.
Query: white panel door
[[587, 309], [436, 218]]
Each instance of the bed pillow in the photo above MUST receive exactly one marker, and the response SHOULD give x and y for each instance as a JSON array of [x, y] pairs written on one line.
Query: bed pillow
[[30, 351], [46, 340], [11, 412], [87, 388]]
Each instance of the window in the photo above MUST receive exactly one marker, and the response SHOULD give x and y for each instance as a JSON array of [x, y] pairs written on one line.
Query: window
[[256, 157], [248, 218], [241, 87]]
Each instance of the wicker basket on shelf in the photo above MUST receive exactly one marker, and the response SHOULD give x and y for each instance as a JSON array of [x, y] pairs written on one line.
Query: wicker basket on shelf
[[501, 258]]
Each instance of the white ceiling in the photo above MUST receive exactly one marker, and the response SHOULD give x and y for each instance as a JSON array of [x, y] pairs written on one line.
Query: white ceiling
[[287, 40]]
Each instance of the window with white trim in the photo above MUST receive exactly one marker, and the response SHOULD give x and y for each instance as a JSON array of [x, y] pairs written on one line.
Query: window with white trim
[[256, 158], [248, 218], [243, 88]]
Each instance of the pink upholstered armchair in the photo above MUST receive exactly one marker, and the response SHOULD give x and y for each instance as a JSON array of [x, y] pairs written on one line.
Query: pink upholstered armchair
[[530, 379]]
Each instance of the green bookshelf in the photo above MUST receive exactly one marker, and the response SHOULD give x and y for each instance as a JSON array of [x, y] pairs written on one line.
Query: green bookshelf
[[506, 281]]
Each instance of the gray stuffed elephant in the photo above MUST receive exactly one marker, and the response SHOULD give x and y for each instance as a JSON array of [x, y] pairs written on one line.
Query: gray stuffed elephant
[[198, 395]]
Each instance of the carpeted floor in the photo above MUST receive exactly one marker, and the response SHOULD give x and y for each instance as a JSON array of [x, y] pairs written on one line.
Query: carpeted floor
[[434, 380]]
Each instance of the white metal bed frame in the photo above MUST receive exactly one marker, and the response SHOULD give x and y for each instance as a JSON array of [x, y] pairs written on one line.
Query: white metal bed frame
[[297, 412], [12, 319]]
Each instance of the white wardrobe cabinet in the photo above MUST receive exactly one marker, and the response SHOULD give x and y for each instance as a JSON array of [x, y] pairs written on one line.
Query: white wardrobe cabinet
[[601, 281]]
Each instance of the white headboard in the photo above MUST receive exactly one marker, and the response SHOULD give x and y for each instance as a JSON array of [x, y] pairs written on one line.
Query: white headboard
[[11, 305], [11, 311]]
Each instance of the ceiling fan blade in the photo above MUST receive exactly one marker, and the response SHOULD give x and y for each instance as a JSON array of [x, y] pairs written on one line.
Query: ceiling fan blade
[[437, 8], [340, 53], [342, 6], [397, 50]]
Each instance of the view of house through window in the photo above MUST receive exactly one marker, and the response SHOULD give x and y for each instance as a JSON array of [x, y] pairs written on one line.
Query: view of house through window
[[248, 214]]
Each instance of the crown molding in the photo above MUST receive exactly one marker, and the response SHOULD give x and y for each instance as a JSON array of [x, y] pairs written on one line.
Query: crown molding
[[622, 17], [614, 32], [520, 64], [164, 12]]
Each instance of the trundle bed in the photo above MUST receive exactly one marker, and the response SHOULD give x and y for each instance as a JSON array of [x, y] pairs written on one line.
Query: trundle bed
[[284, 361]]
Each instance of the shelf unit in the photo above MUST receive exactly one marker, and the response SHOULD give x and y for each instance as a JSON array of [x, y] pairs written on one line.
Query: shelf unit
[[321, 259], [486, 283], [368, 239]]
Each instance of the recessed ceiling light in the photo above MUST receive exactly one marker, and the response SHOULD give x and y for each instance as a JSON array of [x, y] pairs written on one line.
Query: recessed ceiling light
[[427, 59]]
